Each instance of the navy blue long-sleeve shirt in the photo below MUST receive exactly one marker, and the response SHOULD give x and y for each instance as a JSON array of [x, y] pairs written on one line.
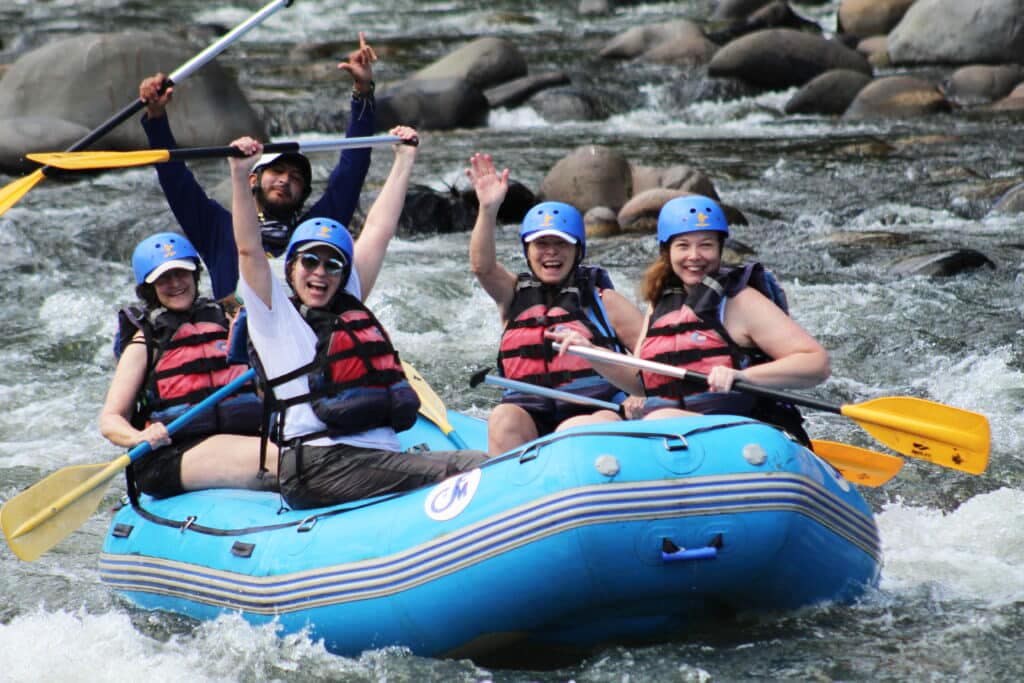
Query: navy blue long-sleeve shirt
[[207, 224]]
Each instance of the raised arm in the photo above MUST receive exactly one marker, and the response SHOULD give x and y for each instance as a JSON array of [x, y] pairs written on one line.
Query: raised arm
[[345, 183], [382, 221], [252, 259], [491, 188]]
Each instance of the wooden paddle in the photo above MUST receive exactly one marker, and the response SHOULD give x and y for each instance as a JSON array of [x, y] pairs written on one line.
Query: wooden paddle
[[12, 192], [44, 514], [859, 465], [431, 405], [946, 436], [92, 160]]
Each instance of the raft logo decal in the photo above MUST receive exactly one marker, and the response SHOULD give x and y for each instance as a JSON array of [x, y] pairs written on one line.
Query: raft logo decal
[[451, 496]]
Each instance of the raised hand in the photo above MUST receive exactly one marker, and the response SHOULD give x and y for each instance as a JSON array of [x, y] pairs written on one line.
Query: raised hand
[[491, 186], [149, 92], [360, 65]]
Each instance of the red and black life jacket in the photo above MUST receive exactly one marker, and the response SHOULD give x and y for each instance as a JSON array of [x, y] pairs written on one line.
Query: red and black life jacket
[[687, 330], [356, 381], [525, 355], [186, 362]]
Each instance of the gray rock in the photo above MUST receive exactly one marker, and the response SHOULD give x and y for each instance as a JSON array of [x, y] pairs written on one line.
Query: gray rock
[[982, 83], [515, 92], [674, 42], [943, 264], [897, 97], [675, 177], [1012, 201], [731, 10], [589, 176], [86, 79], [431, 104], [600, 221], [828, 94], [782, 58], [483, 63], [958, 32], [863, 18], [569, 104], [39, 134]]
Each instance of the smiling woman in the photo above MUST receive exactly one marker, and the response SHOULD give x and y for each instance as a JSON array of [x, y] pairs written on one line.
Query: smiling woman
[[173, 354], [557, 292]]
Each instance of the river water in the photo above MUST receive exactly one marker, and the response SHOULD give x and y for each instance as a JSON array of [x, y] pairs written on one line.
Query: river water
[[951, 601]]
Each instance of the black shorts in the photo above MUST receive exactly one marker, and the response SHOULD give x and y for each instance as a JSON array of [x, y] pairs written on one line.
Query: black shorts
[[315, 476], [159, 473], [547, 421]]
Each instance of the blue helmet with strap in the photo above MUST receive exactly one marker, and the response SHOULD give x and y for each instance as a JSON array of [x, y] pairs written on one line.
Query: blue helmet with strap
[[160, 253], [322, 231], [692, 213], [554, 218]]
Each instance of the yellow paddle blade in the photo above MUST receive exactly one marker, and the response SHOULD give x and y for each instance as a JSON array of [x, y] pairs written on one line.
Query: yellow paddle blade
[[12, 192], [46, 513], [947, 436], [859, 465], [431, 405], [84, 161]]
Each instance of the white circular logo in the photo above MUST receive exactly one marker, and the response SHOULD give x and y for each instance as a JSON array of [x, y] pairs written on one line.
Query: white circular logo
[[452, 495]]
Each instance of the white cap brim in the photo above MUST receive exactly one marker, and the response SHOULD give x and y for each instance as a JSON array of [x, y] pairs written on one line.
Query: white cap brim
[[306, 246], [551, 233], [169, 265]]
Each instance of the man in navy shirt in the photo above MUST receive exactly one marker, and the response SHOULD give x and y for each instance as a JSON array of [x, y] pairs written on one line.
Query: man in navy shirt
[[281, 184]]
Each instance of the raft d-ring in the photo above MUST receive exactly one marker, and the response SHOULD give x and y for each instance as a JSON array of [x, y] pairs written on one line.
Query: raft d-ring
[[681, 446], [307, 524], [529, 454], [189, 521]]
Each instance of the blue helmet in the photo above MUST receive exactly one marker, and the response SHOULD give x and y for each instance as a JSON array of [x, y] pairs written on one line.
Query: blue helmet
[[554, 218], [692, 213], [325, 231], [161, 252]]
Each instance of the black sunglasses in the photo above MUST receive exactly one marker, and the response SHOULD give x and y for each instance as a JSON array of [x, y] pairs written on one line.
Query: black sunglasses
[[311, 261]]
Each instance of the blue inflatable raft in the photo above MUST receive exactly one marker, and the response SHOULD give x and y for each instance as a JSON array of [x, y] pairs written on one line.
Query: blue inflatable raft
[[616, 533]]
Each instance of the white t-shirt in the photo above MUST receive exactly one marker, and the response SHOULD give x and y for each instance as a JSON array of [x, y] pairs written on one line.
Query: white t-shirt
[[285, 341]]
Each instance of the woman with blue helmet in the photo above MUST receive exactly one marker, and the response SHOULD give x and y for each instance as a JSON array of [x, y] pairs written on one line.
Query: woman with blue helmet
[[332, 376], [172, 353], [723, 322], [555, 292]]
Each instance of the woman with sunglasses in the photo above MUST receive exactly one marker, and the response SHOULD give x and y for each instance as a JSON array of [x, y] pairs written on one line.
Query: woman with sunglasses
[[333, 376], [172, 353]]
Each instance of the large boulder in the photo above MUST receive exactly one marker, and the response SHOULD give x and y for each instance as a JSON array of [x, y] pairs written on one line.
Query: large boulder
[[483, 63], [432, 105], [897, 97], [782, 58], [80, 82], [959, 32], [674, 42], [863, 18], [589, 176], [829, 94], [39, 134]]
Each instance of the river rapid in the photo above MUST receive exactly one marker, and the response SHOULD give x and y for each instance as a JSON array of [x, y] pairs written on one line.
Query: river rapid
[[951, 601]]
